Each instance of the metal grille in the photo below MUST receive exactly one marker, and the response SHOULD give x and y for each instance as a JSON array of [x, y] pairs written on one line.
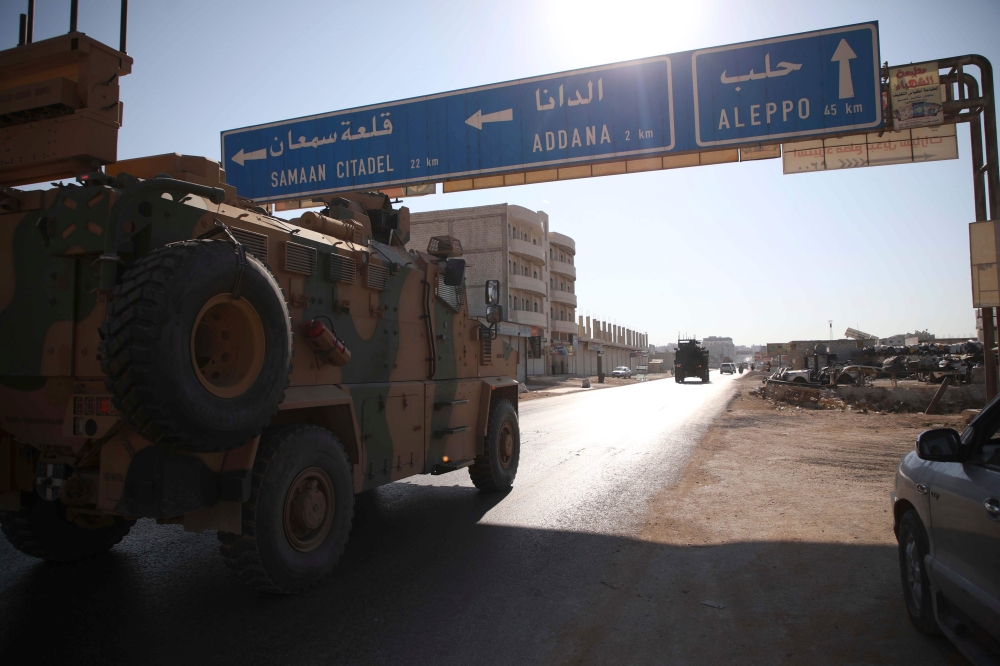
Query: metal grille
[[450, 295], [300, 258], [486, 353], [377, 277], [444, 246], [342, 269], [255, 243]]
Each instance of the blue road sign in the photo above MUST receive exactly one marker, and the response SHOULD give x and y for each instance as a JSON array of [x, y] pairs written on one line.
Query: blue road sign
[[800, 86]]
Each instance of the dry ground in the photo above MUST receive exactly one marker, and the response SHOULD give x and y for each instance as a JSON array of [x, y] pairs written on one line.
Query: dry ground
[[782, 519]]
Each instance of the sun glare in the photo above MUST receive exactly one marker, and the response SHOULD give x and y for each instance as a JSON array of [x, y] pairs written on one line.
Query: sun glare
[[598, 32]]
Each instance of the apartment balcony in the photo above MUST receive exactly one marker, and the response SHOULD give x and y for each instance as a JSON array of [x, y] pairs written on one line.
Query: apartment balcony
[[562, 268], [562, 239], [526, 283], [522, 216], [565, 297], [559, 326], [526, 249], [527, 317]]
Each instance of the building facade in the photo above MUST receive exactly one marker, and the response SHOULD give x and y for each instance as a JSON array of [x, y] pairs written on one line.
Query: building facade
[[537, 273], [718, 348], [901, 339], [799, 350]]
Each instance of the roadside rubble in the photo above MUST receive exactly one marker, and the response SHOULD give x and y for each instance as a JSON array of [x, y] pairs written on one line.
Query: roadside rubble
[[865, 399], [926, 362]]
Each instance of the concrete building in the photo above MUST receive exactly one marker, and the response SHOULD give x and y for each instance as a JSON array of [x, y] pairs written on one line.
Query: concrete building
[[798, 350], [718, 348], [901, 339], [537, 274]]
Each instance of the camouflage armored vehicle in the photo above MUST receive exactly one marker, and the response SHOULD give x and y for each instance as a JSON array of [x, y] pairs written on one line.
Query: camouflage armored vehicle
[[691, 360], [172, 351]]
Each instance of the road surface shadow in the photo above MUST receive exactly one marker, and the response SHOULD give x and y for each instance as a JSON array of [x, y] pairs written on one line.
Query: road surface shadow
[[424, 581]]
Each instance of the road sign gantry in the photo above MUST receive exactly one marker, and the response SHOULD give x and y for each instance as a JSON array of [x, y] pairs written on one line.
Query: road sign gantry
[[794, 87]]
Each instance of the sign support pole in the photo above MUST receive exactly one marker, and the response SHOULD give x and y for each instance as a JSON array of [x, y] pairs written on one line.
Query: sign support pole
[[977, 105]]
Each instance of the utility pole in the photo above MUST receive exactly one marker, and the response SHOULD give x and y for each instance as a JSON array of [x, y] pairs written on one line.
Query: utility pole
[[830, 321]]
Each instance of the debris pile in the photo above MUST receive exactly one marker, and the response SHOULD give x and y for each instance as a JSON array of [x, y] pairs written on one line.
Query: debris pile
[[926, 362]]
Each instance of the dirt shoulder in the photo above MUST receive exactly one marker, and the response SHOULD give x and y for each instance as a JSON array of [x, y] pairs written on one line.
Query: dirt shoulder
[[547, 387], [775, 547]]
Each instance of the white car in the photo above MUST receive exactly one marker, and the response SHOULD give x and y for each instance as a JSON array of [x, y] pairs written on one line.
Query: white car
[[727, 369], [621, 371], [789, 375]]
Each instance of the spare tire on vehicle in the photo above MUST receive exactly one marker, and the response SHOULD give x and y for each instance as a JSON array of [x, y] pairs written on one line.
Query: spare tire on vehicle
[[197, 345]]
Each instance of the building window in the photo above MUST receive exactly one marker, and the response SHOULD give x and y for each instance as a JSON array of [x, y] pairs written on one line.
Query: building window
[[510, 301], [562, 258], [553, 310], [536, 275], [534, 241], [552, 283], [552, 254], [536, 306]]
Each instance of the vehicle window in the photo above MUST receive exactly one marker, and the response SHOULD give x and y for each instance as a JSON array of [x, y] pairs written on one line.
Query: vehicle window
[[989, 453]]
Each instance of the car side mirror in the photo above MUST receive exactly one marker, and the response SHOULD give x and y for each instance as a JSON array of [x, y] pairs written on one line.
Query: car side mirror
[[454, 272], [492, 292], [940, 445], [494, 313]]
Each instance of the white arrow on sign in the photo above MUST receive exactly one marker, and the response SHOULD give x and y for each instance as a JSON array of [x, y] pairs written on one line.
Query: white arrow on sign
[[478, 119], [242, 157], [844, 55]]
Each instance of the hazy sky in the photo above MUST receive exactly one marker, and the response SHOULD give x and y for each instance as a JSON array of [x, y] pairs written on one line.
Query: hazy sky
[[735, 249]]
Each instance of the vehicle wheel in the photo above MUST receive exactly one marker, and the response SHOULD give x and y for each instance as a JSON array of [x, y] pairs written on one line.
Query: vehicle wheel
[[299, 514], [916, 587], [187, 363], [497, 467], [40, 529], [799, 380]]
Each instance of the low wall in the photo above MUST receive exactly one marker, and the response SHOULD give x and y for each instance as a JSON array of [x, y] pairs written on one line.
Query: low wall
[[877, 398], [955, 398]]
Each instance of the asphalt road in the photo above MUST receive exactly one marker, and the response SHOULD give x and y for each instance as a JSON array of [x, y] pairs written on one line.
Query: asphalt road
[[435, 572]]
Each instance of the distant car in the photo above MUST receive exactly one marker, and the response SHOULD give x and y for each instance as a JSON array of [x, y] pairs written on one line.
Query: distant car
[[621, 371], [727, 369], [946, 516]]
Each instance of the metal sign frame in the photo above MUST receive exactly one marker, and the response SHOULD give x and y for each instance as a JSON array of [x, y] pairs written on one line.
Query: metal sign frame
[[643, 112]]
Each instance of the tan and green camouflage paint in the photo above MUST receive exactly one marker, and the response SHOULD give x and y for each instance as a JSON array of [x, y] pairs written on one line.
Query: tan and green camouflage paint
[[50, 313]]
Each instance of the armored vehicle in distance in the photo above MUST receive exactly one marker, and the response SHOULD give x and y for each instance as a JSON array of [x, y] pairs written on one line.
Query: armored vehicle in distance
[[691, 360], [172, 351]]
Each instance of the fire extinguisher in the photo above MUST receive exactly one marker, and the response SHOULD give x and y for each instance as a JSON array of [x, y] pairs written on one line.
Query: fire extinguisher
[[324, 341]]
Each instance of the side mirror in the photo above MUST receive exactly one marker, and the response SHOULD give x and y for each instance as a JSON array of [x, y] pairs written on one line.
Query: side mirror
[[940, 445], [494, 313], [454, 272], [492, 292]]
